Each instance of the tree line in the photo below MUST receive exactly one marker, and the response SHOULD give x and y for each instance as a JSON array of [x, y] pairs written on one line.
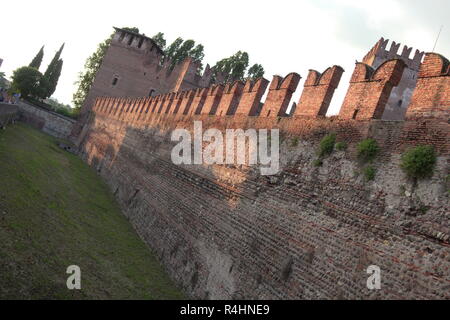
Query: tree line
[[30, 82], [235, 67]]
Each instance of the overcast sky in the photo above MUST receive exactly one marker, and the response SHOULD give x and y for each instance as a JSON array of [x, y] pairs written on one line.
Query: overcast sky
[[284, 36]]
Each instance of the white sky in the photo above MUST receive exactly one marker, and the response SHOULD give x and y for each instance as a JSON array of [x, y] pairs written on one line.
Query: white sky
[[284, 36]]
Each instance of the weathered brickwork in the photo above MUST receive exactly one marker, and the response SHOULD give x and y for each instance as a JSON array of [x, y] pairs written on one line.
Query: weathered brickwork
[[318, 92], [212, 100], [432, 95], [230, 99], [401, 95], [50, 122], [227, 232], [370, 89], [279, 96], [307, 233], [132, 68], [250, 101]]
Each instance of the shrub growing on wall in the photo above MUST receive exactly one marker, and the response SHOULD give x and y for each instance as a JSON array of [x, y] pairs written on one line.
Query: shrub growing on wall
[[367, 150], [341, 146], [419, 162], [327, 145], [369, 173]]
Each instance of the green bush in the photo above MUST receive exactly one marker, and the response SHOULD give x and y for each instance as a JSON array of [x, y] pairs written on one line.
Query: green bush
[[367, 150], [327, 145], [341, 146], [419, 162], [369, 173], [317, 163]]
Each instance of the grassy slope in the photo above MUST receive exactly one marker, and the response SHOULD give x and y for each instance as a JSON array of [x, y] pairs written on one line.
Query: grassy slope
[[55, 212]]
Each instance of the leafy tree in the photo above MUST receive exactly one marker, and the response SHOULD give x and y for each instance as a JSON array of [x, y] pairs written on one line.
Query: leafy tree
[[27, 80], [56, 104], [53, 79], [179, 50], [173, 48], [91, 66], [197, 53], [160, 41], [3, 82], [256, 71], [37, 60], [183, 52], [51, 75], [176, 52], [234, 68], [132, 29]]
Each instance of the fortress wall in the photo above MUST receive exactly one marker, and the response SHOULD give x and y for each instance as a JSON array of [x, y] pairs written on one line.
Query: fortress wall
[[400, 97], [432, 95], [318, 92], [227, 232], [370, 90], [50, 122]]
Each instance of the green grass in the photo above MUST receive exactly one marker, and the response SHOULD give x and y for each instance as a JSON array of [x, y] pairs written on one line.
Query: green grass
[[55, 212]]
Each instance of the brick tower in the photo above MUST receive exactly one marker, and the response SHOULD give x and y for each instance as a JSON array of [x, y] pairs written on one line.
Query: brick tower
[[401, 95], [134, 66]]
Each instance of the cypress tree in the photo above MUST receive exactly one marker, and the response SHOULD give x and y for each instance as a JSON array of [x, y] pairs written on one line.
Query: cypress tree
[[37, 60], [53, 80], [51, 75]]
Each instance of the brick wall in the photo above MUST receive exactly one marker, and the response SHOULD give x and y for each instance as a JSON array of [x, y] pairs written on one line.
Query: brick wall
[[370, 89], [318, 92], [226, 232], [279, 96], [400, 96], [134, 69], [432, 95], [307, 233], [50, 122]]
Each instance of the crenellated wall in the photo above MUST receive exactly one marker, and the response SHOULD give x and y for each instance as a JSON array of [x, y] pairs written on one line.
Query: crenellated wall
[[134, 66], [308, 232], [401, 95], [432, 95], [279, 96], [318, 92], [370, 89]]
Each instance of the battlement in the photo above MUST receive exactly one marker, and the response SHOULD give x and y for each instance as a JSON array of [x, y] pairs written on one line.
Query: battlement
[[318, 92], [184, 75], [432, 95], [370, 89], [135, 66], [379, 53], [366, 98], [136, 40], [130, 142], [369, 93]]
